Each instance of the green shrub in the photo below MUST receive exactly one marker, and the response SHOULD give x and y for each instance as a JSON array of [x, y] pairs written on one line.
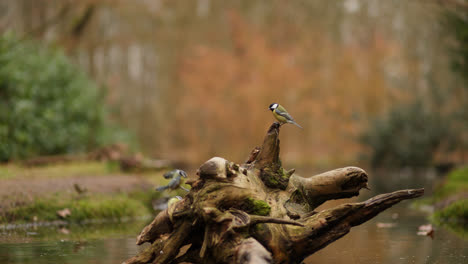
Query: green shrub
[[408, 135], [47, 105]]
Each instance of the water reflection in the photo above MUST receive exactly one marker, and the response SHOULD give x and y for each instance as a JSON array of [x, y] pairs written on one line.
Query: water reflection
[[103, 243], [113, 243], [95, 251], [397, 242]]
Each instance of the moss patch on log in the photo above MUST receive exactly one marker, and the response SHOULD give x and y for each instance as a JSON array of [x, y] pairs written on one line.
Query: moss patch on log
[[275, 178], [256, 207]]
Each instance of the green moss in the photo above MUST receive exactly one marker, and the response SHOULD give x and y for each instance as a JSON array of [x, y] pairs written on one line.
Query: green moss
[[275, 177], [454, 217], [42, 209], [284, 174], [257, 207], [460, 174], [457, 228], [272, 181], [456, 212], [450, 188], [115, 208], [259, 228], [456, 183], [90, 207]]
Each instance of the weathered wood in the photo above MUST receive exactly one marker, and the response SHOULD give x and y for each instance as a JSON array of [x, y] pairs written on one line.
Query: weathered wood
[[329, 225], [147, 255], [269, 152], [161, 225], [259, 213], [335, 184], [268, 160]]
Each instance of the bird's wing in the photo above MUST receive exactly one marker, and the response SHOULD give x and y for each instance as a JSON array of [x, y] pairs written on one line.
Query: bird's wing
[[174, 183], [161, 188], [282, 112]]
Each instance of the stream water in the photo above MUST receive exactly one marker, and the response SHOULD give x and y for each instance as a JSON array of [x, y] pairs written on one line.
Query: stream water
[[397, 242]]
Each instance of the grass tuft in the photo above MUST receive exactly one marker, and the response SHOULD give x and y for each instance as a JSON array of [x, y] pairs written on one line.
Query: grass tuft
[[456, 212], [90, 207]]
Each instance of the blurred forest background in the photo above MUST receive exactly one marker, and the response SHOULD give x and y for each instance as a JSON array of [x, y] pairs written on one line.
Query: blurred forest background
[[383, 82]]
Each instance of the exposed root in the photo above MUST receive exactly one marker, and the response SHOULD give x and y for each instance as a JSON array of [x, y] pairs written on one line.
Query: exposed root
[[258, 212]]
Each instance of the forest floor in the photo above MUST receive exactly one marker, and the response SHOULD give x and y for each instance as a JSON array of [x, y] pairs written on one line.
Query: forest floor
[[88, 189]]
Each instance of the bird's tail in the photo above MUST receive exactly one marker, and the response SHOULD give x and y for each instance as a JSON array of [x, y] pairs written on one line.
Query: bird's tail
[[294, 122]]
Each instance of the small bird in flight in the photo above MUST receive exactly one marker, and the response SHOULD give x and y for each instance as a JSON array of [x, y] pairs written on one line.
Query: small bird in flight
[[282, 115], [177, 179]]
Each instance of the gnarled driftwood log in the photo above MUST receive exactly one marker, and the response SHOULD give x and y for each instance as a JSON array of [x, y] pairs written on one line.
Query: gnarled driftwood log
[[258, 212]]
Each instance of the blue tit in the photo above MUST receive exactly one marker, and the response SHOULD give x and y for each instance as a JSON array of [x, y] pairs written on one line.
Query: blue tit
[[282, 115], [173, 200], [177, 179]]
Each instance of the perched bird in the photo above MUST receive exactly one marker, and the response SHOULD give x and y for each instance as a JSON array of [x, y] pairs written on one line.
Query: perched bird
[[282, 115], [173, 200], [177, 179]]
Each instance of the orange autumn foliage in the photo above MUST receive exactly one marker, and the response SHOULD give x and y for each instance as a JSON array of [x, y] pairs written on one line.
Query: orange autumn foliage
[[226, 91]]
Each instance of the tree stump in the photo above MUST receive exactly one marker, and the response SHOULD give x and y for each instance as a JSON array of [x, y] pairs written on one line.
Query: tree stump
[[259, 212]]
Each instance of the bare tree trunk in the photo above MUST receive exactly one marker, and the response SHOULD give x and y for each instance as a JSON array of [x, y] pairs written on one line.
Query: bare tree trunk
[[258, 212]]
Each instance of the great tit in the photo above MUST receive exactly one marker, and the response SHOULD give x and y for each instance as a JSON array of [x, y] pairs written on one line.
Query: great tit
[[282, 115], [177, 179]]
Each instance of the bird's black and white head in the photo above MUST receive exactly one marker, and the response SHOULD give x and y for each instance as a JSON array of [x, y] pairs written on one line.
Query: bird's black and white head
[[273, 106], [183, 173], [169, 174]]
